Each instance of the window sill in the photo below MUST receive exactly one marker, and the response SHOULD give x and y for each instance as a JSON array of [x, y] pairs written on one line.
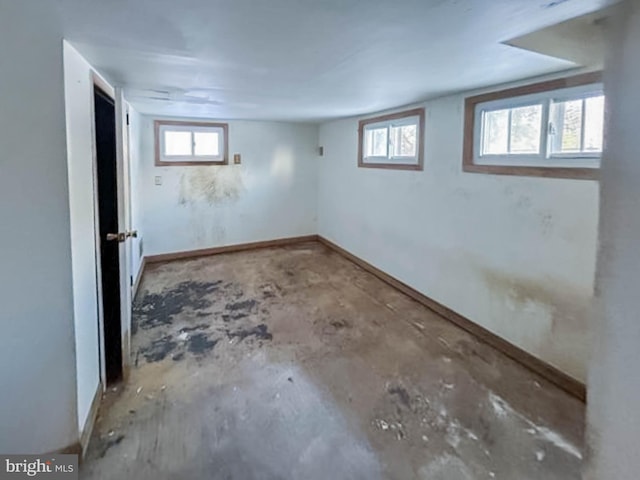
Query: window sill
[[546, 172], [190, 163], [391, 166]]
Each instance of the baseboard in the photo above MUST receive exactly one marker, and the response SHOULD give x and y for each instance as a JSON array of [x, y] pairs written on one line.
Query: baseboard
[[550, 373], [136, 284], [73, 449], [167, 257], [85, 436]]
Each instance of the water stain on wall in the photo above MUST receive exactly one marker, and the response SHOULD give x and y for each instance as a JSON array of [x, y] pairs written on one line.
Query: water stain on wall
[[569, 308], [210, 184], [564, 300]]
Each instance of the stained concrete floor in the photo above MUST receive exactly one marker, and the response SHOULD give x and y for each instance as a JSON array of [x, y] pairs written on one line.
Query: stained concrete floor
[[294, 363]]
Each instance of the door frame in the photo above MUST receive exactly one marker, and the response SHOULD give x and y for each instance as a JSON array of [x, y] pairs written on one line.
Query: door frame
[[96, 81], [124, 225]]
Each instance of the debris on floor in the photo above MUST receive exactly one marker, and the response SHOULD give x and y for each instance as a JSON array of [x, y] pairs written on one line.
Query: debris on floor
[[292, 363]]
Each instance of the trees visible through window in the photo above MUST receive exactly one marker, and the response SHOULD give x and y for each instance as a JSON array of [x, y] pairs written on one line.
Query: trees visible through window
[[576, 126], [549, 129], [512, 131]]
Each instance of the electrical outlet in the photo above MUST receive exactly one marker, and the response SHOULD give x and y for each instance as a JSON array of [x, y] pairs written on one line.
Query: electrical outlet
[[158, 180], [236, 158]]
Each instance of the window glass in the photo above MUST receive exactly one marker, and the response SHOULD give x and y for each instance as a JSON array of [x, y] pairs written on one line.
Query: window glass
[[594, 124], [376, 142], [526, 123], [496, 132], [576, 126], [512, 131], [206, 144], [177, 143], [403, 141], [566, 126]]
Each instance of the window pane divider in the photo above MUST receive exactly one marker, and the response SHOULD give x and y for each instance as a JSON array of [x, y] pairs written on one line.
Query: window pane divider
[[582, 124], [509, 131], [544, 130]]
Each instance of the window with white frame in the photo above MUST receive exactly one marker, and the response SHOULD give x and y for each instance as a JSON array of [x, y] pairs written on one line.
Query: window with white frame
[[557, 128], [392, 141], [191, 143]]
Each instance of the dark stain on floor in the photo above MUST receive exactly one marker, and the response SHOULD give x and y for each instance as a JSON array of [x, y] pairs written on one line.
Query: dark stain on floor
[[243, 306], [155, 309], [200, 344], [339, 324], [202, 326], [159, 349], [173, 326], [260, 332], [104, 443], [270, 290], [402, 395], [228, 318]]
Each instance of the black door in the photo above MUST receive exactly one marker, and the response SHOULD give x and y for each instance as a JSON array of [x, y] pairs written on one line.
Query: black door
[[105, 128]]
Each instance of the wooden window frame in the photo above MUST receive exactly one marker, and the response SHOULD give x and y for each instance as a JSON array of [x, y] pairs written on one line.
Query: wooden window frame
[[468, 156], [416, 112], [157, 124]]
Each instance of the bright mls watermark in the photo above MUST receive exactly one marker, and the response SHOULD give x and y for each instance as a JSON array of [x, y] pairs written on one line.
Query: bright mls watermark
[[53, 467]]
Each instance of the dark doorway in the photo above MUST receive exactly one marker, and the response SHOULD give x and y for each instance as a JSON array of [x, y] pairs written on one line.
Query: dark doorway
[[105, 128]]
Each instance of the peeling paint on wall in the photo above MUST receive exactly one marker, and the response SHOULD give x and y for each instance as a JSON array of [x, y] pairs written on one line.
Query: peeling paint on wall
[[210, 184]]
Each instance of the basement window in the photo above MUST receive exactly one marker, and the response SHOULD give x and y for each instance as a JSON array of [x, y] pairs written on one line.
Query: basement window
[[392, 141], [191, 143], [552, 129]]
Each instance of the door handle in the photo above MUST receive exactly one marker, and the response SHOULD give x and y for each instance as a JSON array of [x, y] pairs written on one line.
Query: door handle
[[132, 234], [119, 237]]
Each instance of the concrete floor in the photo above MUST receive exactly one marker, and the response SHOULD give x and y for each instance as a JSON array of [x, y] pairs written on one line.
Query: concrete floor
[[294, 363]]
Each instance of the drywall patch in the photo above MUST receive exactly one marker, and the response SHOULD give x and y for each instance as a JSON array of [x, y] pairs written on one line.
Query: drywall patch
[[210, 185]]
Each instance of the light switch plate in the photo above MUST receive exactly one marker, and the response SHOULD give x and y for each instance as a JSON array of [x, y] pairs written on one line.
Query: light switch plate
[[158, 180], [236, 158]]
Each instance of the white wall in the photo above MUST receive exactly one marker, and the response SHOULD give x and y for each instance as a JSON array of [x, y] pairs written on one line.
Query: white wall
[[79, 116], [514, 254], [614, 377], [37, 347], [272, 194]]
